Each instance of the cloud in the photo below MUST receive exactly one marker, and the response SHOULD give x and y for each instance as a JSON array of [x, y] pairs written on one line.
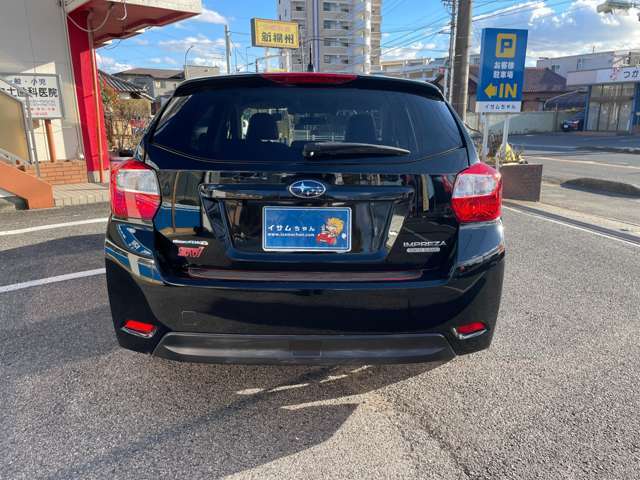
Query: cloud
[[415, 50], [210, 16], [576, 30], [140, 41], [554, 30], [111, 65], [205, 51]]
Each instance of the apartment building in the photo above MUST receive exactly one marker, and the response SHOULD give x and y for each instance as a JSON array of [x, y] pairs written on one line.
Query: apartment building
[[340, 35]]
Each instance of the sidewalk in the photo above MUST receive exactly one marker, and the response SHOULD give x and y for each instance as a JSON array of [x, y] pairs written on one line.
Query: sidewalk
[[80, 194]]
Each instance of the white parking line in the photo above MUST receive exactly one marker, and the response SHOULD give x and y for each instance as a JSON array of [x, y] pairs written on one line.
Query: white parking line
[[53, 225], [586, 162], [45, 281], [575, 227]]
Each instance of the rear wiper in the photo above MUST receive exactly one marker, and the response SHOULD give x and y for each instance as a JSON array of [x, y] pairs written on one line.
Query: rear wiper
[[346, 149]]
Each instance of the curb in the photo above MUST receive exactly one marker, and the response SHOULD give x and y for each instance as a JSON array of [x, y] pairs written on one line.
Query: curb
[[603, 186], [630, 150], [581, 223]]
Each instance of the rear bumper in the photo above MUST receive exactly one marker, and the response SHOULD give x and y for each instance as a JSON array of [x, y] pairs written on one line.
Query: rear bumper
[[304, 349], [285, 322]]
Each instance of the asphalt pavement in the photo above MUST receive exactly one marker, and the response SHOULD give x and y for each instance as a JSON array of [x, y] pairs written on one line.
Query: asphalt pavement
[[556, 396], [575, 140], [566, 157]]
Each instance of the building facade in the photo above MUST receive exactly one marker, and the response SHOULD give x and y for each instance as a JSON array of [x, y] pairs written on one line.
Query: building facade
[[158, 82], [590, 61], [425, 69], [338, 35], [50, 60], [613, 102]]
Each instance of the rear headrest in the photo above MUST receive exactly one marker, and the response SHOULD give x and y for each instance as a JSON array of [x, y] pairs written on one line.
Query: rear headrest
[[361, 129], [262, 126]]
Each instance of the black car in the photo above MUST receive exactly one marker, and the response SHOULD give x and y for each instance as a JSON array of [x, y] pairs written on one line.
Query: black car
[[305, 218], [574, 124]]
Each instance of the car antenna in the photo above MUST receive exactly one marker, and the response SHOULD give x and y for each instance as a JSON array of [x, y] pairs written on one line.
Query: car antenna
[[310, 65]]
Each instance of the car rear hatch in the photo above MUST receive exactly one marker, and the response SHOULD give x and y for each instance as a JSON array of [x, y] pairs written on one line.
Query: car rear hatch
[[305, 178]]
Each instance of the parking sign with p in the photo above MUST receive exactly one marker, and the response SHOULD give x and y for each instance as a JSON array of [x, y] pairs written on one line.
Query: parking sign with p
[[506, 45], [502, 59]]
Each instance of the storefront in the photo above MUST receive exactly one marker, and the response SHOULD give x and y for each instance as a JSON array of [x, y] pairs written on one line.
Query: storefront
[[613, 101], [48, 57]]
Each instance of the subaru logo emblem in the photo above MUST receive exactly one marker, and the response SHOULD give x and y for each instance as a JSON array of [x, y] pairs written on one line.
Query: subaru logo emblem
[[307, 189]]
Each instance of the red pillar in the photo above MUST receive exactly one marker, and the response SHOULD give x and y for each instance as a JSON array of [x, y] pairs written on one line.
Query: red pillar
[[83, 74]]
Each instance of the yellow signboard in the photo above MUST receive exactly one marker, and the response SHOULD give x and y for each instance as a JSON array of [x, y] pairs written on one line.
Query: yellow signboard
[[274, 33]]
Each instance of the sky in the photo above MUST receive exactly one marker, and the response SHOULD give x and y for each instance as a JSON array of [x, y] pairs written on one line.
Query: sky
[[410, 29]]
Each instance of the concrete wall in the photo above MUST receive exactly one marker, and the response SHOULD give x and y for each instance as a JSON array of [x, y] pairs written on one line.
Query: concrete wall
[[526, 122], [33, 39]]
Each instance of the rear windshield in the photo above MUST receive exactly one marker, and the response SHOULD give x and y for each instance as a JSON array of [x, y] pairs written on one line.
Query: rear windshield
[[275, 123]]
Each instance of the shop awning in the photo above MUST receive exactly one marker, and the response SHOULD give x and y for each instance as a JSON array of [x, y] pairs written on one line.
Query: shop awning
[[123, 19]]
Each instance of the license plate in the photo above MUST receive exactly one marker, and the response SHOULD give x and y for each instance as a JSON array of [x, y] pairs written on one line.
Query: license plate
[[302, 229]]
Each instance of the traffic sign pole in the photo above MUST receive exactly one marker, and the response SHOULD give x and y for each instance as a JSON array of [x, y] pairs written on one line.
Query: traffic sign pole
[[485, 136]]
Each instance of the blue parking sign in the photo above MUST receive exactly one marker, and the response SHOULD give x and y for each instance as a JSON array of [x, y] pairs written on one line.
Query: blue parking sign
[[502, 62]]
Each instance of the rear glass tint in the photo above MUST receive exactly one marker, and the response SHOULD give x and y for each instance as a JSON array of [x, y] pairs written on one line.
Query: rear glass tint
[[274, 123]]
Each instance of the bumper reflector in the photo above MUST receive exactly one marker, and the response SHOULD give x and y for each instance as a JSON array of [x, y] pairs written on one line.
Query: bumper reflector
[[140, 329], [469, 330]]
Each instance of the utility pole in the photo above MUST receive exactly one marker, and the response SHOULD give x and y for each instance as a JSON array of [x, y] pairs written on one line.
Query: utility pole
[[460, 84], [228, 48], [448, 68]]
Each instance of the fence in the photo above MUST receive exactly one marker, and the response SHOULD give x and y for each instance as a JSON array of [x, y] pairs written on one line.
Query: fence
[[521, 123]]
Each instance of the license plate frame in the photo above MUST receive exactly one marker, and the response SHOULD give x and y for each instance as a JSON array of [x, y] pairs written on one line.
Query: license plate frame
[[274, 240]]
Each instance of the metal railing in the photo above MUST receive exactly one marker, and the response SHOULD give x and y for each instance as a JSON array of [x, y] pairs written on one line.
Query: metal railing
[[28, 124]]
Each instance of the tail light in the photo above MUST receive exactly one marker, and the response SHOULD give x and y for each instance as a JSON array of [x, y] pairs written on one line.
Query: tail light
[[477, 194], [134, 191]]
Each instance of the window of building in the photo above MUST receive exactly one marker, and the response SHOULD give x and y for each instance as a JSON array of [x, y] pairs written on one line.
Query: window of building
[[299, 8], [610, 107], [555, 68]]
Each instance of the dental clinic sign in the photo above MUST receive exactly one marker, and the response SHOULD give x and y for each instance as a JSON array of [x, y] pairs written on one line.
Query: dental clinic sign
[[502, 59], [45, 98]]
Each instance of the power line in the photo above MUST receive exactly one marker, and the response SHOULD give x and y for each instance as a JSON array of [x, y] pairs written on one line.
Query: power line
[[485, 16]]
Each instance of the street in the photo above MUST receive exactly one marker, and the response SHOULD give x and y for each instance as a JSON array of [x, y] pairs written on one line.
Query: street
[[566, 157], [555, 396]]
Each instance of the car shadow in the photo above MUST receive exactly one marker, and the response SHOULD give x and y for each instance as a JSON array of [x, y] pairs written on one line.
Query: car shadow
[[51, 257], [98, 410]]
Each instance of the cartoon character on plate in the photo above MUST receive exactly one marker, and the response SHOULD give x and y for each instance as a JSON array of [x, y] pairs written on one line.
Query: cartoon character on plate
[[330, 231]]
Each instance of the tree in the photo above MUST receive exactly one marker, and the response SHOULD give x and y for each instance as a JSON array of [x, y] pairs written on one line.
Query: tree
[[125, 119]]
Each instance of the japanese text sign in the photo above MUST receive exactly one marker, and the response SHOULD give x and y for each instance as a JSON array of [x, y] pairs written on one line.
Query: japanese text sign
[[501, 77], [274, 34], [45, 98]]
